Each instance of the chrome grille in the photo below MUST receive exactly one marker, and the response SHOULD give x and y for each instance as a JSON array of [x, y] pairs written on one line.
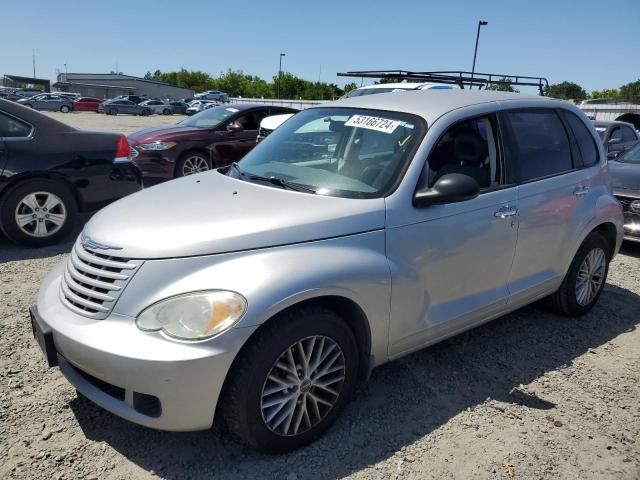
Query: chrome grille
[[93, 281]]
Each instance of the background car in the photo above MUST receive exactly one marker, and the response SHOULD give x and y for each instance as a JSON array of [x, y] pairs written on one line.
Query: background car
[[44, 185], [28, 92], [115, 107], [625, 174], [179, 107], [216, 95], [48, 101], [398, 87], [269, 124], [210, 139], [197, 106], [157, 106], [131, 98], [617, 137], [86, 104]]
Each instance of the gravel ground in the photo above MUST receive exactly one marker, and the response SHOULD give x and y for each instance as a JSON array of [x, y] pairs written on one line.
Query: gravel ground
[[113, 123], [531, 395]]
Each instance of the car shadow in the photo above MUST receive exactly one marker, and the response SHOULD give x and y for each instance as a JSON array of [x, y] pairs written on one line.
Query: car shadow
[[404, 400], [631, 249]]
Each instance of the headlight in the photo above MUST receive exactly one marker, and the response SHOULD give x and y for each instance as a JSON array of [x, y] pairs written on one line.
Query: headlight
[[157, 146], [194, 316]]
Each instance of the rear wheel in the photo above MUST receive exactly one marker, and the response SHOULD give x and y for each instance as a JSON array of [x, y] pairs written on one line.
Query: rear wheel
[[585, 278], [292, 381], [65, 109], [146, 112], [193, 162], [37, 213], [112, 111], [166, 111]]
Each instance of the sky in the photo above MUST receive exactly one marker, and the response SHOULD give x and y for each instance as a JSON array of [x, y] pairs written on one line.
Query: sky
[[591, 42]]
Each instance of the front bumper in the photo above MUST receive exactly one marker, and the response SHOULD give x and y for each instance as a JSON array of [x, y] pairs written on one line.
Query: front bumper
[[631, 217], [156, 164], [142, 377]]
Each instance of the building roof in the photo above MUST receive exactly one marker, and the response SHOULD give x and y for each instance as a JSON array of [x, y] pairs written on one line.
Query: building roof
[[115, 76], [84, 84]]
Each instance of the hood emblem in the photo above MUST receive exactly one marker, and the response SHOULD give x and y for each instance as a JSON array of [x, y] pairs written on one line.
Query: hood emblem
[[635, 206], [92, 244]]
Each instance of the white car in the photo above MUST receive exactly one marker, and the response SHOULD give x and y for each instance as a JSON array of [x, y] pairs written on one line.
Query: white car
[[399, 87], [197, 106], [269, 124]]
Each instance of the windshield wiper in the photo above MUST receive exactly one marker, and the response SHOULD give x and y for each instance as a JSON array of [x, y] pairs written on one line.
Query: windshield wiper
[[281, 182]]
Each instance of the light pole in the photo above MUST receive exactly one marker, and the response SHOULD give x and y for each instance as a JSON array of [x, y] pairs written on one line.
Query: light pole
[[279, 75], [481, 23]]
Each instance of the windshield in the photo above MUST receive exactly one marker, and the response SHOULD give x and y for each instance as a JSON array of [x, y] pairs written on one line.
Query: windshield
[[209, 118], [632, 155], [341, 152]]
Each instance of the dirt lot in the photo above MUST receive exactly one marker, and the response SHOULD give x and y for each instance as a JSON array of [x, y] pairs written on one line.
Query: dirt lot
[[113, 123], [531, 395]]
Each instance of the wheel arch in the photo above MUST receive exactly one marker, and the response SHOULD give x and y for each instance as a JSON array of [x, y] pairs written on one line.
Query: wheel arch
[[610, 233], [19, 179]]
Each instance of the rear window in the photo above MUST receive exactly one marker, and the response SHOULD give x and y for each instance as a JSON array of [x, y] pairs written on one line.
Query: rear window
[[586, 144], [11, 127], [539, 143]]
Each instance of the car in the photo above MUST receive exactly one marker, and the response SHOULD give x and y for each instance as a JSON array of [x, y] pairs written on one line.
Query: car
[[197, 106], [179, 107], [48, 101], [210, 139], [616, 136], [50, 172], [132, 98], [69, 95], [269, 124], [356, 233], [399, 87], [158, 106], [625, 175], [216, 95], [115, 107], [87, 104], [28, 92]]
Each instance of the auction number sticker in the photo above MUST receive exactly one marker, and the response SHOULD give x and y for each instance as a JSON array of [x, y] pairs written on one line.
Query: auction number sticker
[[373, 123]]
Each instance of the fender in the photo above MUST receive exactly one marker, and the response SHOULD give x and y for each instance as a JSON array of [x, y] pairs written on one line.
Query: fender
[[272, 279]]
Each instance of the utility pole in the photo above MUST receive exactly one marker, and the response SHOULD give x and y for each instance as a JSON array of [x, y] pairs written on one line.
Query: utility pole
[[279, 75], [481, 23], [33, 55]]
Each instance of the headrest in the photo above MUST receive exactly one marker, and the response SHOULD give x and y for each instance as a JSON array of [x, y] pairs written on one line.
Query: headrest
[[470, 148]]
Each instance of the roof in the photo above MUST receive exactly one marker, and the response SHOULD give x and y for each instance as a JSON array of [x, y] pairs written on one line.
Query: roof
[[431, 104], [82, 84]]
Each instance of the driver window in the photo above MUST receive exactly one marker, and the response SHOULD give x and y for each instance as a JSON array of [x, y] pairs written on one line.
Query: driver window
[[468, 147]]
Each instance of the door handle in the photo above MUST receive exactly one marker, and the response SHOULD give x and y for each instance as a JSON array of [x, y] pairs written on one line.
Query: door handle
[[581, 191], [505, 212]]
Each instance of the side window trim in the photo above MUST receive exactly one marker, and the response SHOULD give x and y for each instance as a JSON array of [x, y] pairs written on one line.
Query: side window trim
[[564, 115], [510, 140], [27, 137]]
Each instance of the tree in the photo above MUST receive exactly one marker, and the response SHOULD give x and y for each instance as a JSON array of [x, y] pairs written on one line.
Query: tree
[[631, 92], [606, 93], [566, 91], [503, 85], [148, 76], [349, 86]]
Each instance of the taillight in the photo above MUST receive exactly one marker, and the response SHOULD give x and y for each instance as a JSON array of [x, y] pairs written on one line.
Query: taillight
[[123, 151]]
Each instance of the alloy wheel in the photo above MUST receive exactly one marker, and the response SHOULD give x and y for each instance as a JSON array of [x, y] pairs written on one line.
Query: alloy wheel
[[303, 386], [194, 164], [590, 276], [40, 214]]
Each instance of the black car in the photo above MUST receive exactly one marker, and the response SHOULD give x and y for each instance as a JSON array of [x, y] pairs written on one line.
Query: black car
[[50, 172], [617, 137]]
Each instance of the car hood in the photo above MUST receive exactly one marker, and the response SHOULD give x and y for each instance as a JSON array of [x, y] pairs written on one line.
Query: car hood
[[153, 133], [625, 177], [211, 213]]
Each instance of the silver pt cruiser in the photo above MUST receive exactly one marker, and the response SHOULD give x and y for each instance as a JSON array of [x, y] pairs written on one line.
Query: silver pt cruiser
[[356, 233]]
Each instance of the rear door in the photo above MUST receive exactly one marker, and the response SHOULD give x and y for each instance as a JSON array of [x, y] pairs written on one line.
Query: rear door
[[550, 191]]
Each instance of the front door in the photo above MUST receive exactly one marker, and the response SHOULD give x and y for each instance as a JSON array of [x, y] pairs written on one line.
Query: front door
[[232, 145], [450, 267]]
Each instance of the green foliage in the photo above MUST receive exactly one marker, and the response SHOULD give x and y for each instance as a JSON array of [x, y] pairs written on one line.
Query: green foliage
[[238, 84], [631, 92], [606, 93], [349, 86], [566, 91], [503, 85]]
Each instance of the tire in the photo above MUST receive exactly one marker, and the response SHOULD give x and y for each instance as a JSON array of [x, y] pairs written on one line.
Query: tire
[[146, 112], [191, 163], [112, 111], [244, 405], [570, 299], [22, 202], [166, 111], [65, 109]]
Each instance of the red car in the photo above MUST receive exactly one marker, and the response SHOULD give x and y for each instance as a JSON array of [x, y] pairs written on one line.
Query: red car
[[210, 139], [86, 104]]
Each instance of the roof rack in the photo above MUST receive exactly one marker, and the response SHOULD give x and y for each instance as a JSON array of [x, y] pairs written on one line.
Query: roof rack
[[459, 78]]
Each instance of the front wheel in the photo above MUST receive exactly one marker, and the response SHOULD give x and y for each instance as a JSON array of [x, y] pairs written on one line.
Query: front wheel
[[192, 163], [65, 109], [37, 213], [166, 111], [291, 381], [146, 112], [585, 278]]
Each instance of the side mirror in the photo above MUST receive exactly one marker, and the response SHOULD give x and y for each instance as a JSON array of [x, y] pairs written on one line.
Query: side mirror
[[614, 141], [450, 188], [235, 127]]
